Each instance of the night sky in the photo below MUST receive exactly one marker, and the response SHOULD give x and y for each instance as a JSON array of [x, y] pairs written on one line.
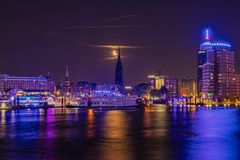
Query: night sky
[[37, 37]]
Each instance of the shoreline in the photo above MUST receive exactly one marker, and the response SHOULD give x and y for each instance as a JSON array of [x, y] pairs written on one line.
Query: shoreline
[[154, 106]]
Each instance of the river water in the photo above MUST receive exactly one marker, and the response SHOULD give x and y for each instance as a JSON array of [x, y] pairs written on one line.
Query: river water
[[151, 133]]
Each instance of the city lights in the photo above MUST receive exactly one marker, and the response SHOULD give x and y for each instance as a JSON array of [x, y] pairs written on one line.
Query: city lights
[[161, 88], [120, 80]]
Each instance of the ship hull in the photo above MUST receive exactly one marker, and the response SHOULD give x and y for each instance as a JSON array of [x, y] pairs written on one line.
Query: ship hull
[[106, 107]]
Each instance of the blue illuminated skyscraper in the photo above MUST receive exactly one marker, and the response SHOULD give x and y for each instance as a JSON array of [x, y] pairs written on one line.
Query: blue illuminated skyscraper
[[202, 58], [216, 69], [119, 70]]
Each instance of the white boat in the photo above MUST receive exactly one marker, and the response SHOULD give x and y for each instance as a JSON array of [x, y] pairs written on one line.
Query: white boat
[[99, 100]]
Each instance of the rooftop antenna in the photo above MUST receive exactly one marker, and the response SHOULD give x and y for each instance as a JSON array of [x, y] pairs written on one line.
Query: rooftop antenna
[[207, 34]]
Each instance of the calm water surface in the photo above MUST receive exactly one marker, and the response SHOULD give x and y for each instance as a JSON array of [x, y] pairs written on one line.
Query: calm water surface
[[149, 134]]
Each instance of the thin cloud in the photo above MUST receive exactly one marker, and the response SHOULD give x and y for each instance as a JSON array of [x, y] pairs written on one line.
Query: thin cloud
[[115, 58], [105, 27], [116, 46], [121, 18]]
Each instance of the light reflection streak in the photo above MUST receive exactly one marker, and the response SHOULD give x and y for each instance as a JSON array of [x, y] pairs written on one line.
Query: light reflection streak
[[3, 124], [155, 118], [117, 143], [51, 133], [90, 123], [13, 118]]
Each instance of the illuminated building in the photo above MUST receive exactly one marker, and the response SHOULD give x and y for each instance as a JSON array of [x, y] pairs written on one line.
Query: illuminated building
[[237, 76], [119, 70], [26, 83], [31, 98], [227, 80], [66, 86], [159, 82], [156, 82], [188, 88], [85, 87], [2, 88], [67, 80], [172, 85], [107, 87], [208, 75], [201, 61], [216, 70], [151, 81]]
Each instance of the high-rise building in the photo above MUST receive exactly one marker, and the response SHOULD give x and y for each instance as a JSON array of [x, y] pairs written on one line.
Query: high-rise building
[[216, 70], [237, 76], [119, 70], [156, 82], [201, 60], [227, 79], [188, 88], [209, 75]]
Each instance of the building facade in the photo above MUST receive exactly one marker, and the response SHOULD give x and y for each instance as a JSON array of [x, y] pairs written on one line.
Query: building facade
[[8, 82], [227, 78], [188, 88], [156, 82], [201, 61], [209, 75]]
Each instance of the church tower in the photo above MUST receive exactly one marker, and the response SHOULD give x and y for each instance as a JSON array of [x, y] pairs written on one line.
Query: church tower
[[67, 80], [119, 70]]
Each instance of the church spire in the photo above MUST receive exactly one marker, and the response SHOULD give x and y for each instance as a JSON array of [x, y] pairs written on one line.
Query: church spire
[[67, 79], [119, 70], [67, 74], [119, 54]]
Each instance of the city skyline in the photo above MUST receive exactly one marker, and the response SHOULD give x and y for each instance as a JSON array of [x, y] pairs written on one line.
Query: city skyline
[[126, 80], [47, 42]]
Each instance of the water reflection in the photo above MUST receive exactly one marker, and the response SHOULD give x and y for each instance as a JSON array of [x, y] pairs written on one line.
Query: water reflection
[[118, 142], [151, 133], [218, 133], [90, 123], [50, 128], [155, 122], [3, 130]]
